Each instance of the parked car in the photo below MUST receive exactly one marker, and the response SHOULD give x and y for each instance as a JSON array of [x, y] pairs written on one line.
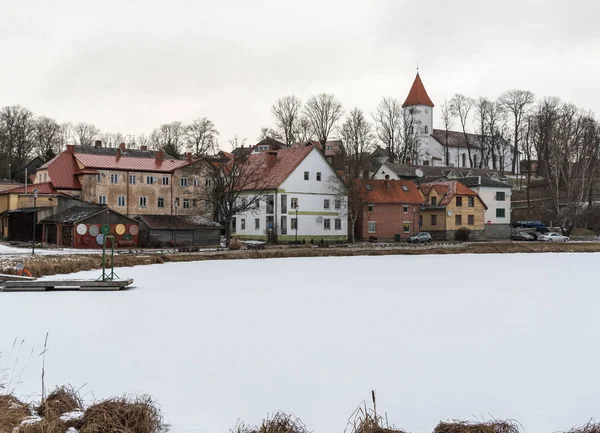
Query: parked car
[[522, 236], [537, 225], [419, 237], [554, 237]]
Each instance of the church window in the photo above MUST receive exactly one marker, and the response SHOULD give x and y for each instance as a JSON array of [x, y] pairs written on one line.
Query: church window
[[426, 129]]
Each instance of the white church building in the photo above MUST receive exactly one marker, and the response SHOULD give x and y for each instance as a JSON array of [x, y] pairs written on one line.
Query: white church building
[[434, 143]]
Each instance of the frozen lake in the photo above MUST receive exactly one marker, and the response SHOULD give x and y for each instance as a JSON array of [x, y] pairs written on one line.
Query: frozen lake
[[438, 337]]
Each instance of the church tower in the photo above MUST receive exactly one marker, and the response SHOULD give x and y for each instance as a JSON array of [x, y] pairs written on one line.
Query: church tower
[[418, 100]]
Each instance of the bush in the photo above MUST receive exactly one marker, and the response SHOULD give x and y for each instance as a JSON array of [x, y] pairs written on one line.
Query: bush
[[372, 239], [462, 234], [117, 415], [234, 245], [12, 412]]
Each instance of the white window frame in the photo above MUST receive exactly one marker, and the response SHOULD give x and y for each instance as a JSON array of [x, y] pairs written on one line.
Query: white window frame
[[102, 199], [338, 223], [165, 180], [121, 201], [326, 203], [132, 179], [374, 225], [293, 202], [114, 178], [160, 202], [306, 175], [183, 182], [143, 201], [186, 203], [327, 224], [150, 180], [318, 176]]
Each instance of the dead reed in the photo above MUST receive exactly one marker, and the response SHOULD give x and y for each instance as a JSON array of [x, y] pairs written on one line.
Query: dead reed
[[494, 426], [280, 422], [124, 414], [60, 401], [365, 420], [12, 412], [590, 427]]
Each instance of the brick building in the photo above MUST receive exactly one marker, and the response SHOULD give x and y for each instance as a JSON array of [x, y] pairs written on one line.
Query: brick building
[[391, 209]]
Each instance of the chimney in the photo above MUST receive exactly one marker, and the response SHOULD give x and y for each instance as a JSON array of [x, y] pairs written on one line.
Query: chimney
[[98, 144], [144, 147], [160, 156], [70, 149], [387, 177], [270, 158], [188, 156], [409, 161], [122, 147], [118, 153]]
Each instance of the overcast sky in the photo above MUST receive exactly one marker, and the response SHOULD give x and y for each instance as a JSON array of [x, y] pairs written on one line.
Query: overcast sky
[[128, 66]]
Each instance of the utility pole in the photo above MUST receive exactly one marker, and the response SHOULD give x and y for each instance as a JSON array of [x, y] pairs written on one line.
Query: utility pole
[[35, 196]]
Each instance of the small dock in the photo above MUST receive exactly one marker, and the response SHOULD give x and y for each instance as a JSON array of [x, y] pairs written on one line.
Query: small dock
[[33, 285]]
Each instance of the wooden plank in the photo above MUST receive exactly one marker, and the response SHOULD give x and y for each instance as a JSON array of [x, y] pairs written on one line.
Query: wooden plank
[[12, 286], [8, 277]]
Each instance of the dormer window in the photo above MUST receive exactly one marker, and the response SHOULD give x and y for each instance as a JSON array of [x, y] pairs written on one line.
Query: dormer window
[[433, 201]]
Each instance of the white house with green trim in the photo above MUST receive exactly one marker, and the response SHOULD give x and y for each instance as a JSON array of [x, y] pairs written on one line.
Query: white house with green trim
[[301, 200]]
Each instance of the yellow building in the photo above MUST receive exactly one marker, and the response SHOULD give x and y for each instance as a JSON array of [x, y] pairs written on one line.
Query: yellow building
[[449, 206]]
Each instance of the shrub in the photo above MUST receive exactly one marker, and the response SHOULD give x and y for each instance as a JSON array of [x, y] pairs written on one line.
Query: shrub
[[372, 239], [278, 423], [462, 234], [495, 426], [234, 245], [60, 401], [12, 412]]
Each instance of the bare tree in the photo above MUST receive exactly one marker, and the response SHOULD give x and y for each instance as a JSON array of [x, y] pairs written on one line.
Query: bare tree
[[85, 133], [544, 116], [482, 107], [303, 129], [323, 111], [389, 119], [112, 139], [237, 186], [65, 136], [358, 141], [168, 138], [516, 103], [447, 120], [409, 146], [287, 113], [461, 107], [572, 164], [46, 136], [269, 133], [201, 137], [16, 137], [495, 126], [142, 140]]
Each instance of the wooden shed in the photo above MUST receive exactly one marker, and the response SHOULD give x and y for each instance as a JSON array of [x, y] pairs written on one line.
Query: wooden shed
[[158, 231], [84, 227]]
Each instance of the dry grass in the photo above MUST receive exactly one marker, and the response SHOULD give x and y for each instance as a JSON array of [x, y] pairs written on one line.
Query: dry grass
[[12, 412], [45, 426], [61, 400], [590, 427], [364, 420], [52, 265], [120, 415], [494, 426], [279, 423], [234, 245]]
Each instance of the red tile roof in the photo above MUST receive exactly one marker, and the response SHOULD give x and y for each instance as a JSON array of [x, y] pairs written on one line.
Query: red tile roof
[[43, 188], [269, 178], [389, 191], [109, 162], [418, 94], [449, 189]]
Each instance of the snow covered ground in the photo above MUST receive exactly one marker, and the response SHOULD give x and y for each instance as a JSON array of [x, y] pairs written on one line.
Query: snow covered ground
[[8, 250], [438, 337]]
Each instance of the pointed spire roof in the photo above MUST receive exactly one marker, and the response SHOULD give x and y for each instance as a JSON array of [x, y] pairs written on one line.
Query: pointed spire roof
[[418, 94]]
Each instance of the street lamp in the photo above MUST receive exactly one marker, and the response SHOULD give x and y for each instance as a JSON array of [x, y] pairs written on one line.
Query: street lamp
[[296, 225], [35, 196]]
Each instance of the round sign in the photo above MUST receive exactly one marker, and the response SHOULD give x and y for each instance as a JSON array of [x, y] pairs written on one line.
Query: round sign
[[134, 230], [120, 229], [85, 239], [94, 231], [100, 239], [81, 229], [105, 229], [19, 266], [127, 237]]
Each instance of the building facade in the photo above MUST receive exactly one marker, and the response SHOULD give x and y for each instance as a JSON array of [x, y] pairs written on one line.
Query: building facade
[[300, 200]]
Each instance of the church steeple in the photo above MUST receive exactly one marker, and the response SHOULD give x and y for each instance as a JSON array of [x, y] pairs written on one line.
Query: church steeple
[[418, 94]]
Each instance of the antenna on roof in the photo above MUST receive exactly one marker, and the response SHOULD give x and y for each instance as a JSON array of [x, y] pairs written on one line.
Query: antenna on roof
[[417, 67], [419, 172]]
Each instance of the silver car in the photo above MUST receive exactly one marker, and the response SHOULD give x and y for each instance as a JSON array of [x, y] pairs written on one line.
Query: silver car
[[554, 237], [419, 237]]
